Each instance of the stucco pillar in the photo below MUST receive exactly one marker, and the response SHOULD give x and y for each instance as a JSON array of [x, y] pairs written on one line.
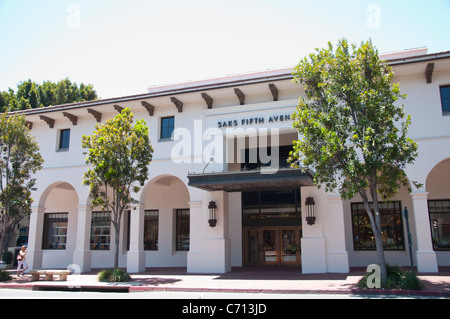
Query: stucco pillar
[[136, 254], [82, 253], [210, 247], [34, 249], [195, 256], [313, 255], [334, 230], [425, 256]]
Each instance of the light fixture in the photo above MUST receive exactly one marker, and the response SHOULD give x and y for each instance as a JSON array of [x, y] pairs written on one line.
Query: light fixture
[[310, 214], [212, 213]]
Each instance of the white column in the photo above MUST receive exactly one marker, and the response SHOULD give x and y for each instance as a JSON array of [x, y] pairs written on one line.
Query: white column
[[313, 255], [210, 247], [136, 254], [425, 256], [196, 254], [82, 253], [334, 231], [34, 249]]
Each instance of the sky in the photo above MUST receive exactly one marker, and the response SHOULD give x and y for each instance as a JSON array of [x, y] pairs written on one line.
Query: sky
[[123, 47]]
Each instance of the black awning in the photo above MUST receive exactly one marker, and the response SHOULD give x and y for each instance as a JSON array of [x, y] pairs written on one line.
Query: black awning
[[253, 180]]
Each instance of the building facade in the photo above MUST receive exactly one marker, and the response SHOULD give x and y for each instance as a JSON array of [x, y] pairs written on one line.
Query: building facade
[[220, 193]]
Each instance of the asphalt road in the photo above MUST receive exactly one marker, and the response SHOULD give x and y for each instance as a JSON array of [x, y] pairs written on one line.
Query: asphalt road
[[31, 294]]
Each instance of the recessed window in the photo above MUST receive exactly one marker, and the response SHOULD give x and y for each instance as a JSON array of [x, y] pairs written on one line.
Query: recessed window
[[445, 99], [439, 211], [64, 139], [151, 229], [100, 231], [182, 229], [391, 226], [55, 231], [167, 126], [259, 207]]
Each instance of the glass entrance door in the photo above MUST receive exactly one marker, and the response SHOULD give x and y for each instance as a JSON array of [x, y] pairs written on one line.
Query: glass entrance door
[[276, 246], [290, 246], [270, 246]]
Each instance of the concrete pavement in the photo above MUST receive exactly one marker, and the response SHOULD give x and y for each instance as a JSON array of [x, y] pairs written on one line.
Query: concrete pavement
[[242, 279]]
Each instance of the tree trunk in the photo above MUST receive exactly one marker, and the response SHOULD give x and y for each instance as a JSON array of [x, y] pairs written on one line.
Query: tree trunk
[[375, 223], [4, 226], [380, 255], [116, 246]]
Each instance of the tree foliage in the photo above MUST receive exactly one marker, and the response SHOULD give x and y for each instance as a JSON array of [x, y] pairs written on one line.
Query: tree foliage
[[354, 129], [119, 154], [19, 159], [32, 95]]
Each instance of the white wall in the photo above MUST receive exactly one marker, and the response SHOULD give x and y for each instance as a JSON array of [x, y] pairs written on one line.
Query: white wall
[[325, 246]]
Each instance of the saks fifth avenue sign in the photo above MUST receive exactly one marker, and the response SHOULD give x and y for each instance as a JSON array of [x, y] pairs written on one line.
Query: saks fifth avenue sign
[[254, 120]]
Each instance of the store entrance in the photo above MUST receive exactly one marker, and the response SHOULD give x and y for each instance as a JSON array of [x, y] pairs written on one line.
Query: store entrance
[[272, 227], [272, 246]]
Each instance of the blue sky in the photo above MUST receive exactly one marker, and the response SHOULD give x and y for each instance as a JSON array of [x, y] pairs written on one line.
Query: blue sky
[[122, 47]]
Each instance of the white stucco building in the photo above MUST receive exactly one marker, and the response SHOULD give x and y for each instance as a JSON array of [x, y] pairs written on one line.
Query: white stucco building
[[261, 214]]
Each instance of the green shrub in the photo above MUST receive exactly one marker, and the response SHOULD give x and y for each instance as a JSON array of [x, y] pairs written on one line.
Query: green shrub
[[411, 282], [396, 279], [4, 275], [7, 257], [113, 275]]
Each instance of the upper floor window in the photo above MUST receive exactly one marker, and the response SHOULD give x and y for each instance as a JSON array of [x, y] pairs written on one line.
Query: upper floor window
[[64, 139], [445, 99], [167, 126]]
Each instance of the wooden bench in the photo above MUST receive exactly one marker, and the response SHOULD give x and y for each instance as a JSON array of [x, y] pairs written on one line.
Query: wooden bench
[[49, 274]]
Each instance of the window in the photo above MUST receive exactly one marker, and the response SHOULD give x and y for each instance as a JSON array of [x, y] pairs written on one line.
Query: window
[[64, 139], [439, 211], [252, 158], [445, 99], [182, 229], [151, 218], [100, 231], [167, 126], [391, 227], [55, 231], [261, 206]]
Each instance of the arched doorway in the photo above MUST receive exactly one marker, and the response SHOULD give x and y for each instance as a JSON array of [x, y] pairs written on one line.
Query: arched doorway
[[166, 236], [57, 235], [438, 188]]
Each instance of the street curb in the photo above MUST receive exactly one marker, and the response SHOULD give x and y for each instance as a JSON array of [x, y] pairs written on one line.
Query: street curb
[[412, 293], [131, 288]]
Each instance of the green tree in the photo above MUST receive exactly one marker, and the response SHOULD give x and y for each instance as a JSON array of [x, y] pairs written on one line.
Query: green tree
[[33, 95], [19, 159], [354, 129], [119, 154], [23, 104], [9, 100], [3, 102], [47, 94], [61, 93]]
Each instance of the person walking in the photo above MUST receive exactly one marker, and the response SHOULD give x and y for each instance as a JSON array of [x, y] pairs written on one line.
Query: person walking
[[21, 260]]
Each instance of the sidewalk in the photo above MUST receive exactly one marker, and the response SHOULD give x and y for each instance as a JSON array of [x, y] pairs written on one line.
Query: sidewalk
[[245, 279]]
